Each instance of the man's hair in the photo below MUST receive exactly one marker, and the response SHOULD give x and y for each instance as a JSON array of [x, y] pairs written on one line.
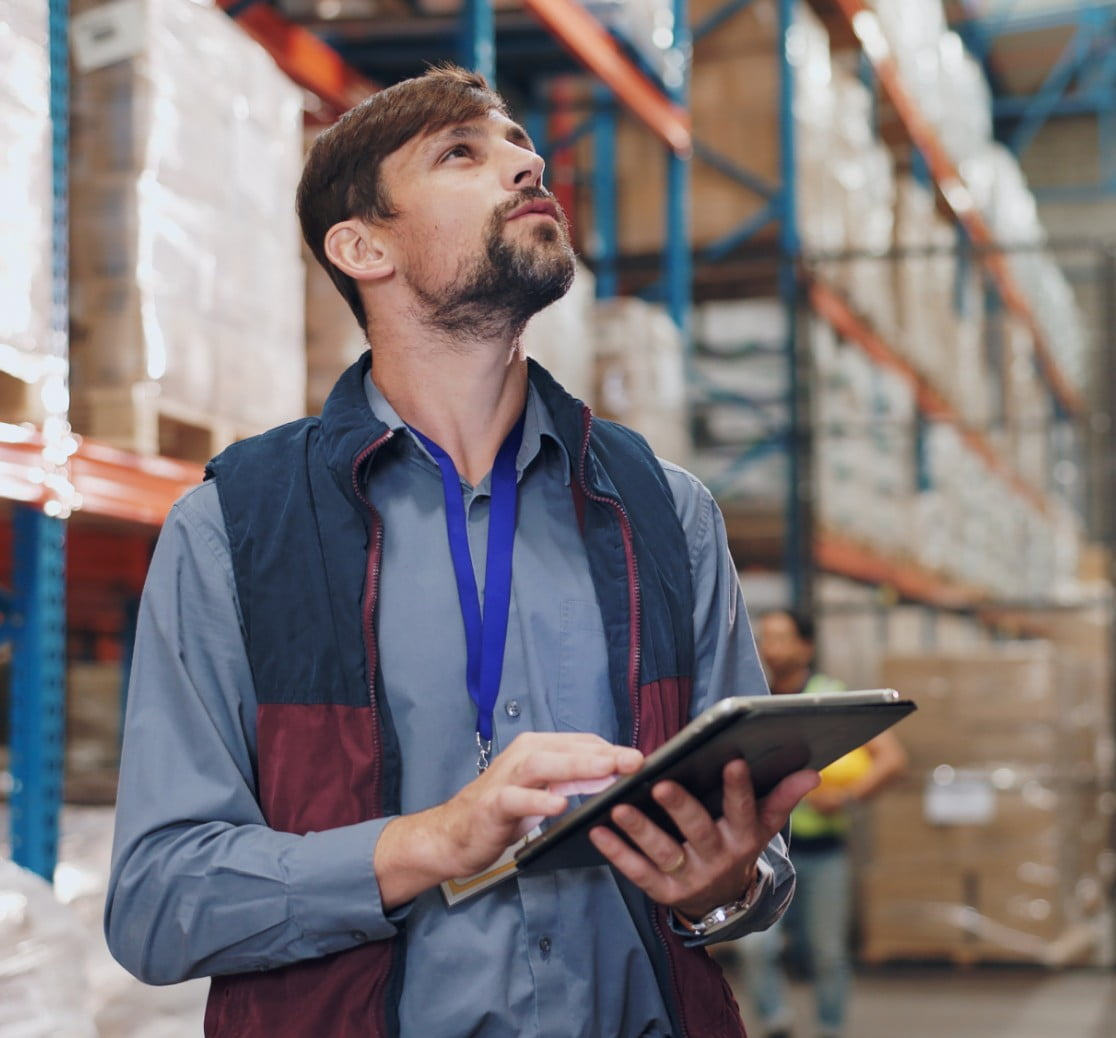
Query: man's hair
[[803, 622], [341, 178]]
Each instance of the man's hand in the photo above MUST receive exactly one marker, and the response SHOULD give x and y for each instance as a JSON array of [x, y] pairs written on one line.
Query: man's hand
[[716, 863], [473, 828]]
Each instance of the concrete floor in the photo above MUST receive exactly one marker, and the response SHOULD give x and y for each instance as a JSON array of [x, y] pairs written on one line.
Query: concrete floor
[[974, 1002]]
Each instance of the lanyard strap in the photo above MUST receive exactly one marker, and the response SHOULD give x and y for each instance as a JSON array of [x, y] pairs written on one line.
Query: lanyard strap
[[485, 635]]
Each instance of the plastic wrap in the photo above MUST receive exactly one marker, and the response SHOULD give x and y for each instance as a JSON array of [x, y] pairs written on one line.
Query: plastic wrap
[[864, 424], [57, 977], [739, 358], [185, 247], [640, 379], [562, 337], [966, 126], [43, 947], [647, 26], [25, 191]]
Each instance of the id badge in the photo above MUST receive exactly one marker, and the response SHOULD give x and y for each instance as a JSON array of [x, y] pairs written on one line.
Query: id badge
[[457, 890]]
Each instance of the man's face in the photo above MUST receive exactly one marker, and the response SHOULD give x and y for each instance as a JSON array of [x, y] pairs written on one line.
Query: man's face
[[479, 241], [781, 648]]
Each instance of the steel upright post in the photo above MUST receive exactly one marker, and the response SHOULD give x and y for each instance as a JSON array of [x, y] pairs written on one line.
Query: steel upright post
[[678, 272], [37, 688], [477, 38]]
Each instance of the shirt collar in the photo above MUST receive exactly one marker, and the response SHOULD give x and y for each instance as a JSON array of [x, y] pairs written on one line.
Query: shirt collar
[[538, 425]]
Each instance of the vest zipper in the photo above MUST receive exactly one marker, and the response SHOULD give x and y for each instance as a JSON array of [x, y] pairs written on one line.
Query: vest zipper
[[679, 1001], [367, 610], [633, 575]]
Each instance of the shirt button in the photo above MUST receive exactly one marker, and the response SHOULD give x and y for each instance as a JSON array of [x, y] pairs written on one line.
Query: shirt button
[[512, 708], [544, 947]]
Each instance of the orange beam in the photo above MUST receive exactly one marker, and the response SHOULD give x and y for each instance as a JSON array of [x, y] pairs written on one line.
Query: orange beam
[[851, 327], [127, 486], [953, 191], [113, 483], [581, 34], [308, 61], [846, 557]]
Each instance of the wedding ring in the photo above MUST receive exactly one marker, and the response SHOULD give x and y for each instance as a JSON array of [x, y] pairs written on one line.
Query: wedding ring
[[676, 865]]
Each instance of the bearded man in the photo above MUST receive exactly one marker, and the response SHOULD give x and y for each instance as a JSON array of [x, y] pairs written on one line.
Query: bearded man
[[378, 647]]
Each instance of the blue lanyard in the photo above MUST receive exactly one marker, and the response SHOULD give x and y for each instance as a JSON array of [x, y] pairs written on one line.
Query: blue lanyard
[[485, 636]]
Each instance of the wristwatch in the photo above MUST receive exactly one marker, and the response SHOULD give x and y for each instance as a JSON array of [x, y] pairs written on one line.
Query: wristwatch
[[725, 915]]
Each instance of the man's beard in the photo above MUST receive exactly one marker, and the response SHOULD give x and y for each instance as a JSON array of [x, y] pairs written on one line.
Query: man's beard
[[506, 286]]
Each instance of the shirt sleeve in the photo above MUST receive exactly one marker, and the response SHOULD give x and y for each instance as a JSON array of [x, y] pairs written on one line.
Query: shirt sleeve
[[199, 884], [726, 664]]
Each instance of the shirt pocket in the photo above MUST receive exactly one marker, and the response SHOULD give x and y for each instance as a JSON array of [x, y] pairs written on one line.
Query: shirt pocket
[[583, 701]]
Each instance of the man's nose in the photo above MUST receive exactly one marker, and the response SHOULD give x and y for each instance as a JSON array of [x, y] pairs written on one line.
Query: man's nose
[[525, 168]]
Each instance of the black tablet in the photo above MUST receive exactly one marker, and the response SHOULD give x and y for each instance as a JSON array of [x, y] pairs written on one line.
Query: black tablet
[[774, 734]]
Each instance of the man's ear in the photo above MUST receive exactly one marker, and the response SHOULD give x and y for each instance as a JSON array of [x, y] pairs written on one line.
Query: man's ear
[[357, 248]]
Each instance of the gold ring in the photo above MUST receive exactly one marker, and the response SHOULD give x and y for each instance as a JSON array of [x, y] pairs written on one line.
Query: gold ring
[[675, 866]]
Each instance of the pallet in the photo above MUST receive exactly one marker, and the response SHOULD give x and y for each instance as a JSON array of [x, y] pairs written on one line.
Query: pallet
[[1077, 944], [139, 418], [20, 401]]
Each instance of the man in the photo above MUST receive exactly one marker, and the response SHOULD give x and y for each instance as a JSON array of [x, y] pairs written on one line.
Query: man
[[377, 648], [817, 922]]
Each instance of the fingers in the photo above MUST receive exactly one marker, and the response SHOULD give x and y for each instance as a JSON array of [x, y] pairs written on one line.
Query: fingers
[[559, 759], [775, 808], [654, 880]]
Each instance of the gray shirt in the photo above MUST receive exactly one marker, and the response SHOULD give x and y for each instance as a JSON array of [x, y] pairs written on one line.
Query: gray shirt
[[201, 886]]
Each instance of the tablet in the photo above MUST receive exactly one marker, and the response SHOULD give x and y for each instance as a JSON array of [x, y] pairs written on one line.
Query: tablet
[[774, 734]]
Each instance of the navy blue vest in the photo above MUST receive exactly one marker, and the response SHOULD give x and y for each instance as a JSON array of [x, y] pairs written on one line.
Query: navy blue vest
[[299, 506]]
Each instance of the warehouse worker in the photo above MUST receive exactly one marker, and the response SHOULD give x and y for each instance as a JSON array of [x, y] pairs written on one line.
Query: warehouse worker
[[349, 691], [817, 923]]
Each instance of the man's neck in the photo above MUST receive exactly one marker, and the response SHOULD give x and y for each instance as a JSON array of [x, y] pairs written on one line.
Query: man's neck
[[790, 683], [465, 399]]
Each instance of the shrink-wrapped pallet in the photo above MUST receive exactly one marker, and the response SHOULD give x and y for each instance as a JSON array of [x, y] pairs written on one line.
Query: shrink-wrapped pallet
[[640, 375], [187, 280], [29, 351], [563, 337]]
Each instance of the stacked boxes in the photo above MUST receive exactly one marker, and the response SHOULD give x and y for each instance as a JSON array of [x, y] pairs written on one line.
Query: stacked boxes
[[740, 379], [334, 339], [27, 351], [187, 282], [995, 847], [640, 377], [563, 337]]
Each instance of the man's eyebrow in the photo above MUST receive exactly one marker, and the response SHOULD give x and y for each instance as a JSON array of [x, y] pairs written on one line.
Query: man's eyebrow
[[473, 131], [518, 135]]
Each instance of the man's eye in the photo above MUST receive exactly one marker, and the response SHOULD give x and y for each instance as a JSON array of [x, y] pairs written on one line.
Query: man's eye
[[459, 151]]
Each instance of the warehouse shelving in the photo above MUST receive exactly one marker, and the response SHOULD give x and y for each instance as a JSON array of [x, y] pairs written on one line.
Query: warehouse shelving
[[110, 489], [44, 474], [854, 18], [852, 23], [308, 61]]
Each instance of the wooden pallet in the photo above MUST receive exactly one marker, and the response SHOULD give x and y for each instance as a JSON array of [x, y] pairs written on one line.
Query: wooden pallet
[[139, 418], [1076, 945], [20, 401]]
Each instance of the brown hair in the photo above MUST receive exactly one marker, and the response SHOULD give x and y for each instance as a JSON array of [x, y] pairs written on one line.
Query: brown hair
[[341, 177]]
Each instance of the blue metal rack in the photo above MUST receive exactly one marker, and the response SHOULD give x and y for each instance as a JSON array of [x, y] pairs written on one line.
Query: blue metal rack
[[36, 622], [1080, 81]]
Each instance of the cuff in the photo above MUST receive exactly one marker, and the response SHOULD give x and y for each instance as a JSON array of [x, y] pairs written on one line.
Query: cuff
[[727, 920]]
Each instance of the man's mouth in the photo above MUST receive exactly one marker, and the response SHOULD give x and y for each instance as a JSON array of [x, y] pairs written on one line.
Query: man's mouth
[[537, 206]]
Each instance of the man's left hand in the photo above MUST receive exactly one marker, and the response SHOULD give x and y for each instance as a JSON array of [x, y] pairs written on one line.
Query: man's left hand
[[716, 863]]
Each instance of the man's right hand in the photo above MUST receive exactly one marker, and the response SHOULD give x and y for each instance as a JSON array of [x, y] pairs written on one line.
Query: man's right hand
[[474, 827]]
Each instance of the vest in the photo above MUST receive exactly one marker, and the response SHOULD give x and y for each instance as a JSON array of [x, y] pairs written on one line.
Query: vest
[[299, 506]]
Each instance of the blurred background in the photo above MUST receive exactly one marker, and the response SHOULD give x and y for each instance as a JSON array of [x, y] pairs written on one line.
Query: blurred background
[[853, 262]]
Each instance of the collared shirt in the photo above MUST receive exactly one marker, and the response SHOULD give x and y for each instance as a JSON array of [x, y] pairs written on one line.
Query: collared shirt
[[200, 885]]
